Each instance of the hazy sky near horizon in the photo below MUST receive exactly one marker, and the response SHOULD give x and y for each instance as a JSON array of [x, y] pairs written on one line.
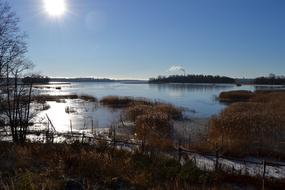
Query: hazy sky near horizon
[[145, 38]]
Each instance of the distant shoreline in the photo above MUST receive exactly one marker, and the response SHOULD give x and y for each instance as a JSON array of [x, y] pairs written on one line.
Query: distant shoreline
[[67, 80]]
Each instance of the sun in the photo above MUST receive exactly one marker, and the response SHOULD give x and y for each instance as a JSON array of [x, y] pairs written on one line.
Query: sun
[[55, 8]]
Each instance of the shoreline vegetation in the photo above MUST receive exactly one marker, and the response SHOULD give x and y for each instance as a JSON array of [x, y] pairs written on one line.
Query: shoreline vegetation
[[249, 117], [152, 129], [58, 98], [147, 167], [253, 124], [190, 78], [241, 148], [210, 79]]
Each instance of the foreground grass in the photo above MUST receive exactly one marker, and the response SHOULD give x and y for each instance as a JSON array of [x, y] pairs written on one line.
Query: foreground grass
[[58, 166], [52, 166]]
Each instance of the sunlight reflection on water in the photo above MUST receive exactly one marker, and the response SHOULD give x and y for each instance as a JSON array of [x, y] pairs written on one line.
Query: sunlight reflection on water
[[81, 117], [197, 99]]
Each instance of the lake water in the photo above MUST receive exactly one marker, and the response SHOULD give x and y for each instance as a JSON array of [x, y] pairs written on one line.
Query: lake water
[[199, 101]]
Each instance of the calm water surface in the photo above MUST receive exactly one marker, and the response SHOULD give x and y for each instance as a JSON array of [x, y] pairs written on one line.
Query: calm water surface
[[199, 100]]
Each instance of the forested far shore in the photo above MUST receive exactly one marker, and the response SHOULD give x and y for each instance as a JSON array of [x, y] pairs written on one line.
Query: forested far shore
[[192, 79], [270, 80]]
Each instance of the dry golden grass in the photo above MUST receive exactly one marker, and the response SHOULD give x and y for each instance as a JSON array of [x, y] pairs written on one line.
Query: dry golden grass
[[123, 101], [136, 110], [255, 127], [50, 166], [153, 120], [154, 129], [235, 96]]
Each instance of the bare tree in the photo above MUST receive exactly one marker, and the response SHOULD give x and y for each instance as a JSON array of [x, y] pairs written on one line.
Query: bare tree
[[15, 96]]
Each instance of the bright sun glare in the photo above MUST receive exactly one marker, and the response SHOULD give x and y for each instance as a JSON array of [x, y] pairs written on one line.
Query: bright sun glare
[[55, 8]]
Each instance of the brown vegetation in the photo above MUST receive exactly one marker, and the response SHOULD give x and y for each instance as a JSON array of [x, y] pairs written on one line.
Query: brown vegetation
[[153, 120], [154, 129], [236, 96], [53, 166], [59, 98], [136, 110], [88, 98], [123, 101], [56, 166], [255, 127], [139, 106]]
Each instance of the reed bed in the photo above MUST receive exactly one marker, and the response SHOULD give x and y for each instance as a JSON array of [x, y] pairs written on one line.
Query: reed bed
[[255, 127]]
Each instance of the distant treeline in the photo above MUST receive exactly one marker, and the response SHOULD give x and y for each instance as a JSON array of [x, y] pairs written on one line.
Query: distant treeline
[[36, 79], [80, 80], [192, 79], [271, 80]]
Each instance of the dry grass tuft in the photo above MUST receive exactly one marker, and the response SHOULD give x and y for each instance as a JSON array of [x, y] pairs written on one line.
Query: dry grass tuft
[[236, 96], [123, 101], [255, 127]]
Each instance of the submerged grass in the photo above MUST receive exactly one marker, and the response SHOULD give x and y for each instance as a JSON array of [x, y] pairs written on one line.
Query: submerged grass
[[60, 98]]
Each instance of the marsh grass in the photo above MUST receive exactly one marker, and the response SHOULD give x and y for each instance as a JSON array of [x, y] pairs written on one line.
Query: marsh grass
[[62, 98], [235, 96], [88, 98], [255, 127], [153, 121], [123, 101]]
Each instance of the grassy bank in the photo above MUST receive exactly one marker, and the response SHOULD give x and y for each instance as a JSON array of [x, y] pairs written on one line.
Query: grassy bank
[[252, 125]]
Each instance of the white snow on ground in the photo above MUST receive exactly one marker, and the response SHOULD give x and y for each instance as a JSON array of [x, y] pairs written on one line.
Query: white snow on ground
[[244, 168]]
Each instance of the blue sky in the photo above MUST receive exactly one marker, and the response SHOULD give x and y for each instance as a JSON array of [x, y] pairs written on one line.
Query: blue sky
[[144, 38]]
